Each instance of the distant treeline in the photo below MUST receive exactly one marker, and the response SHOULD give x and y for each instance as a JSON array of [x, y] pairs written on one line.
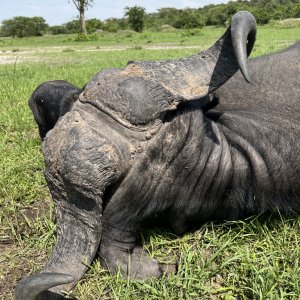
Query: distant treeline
[[210, 15]]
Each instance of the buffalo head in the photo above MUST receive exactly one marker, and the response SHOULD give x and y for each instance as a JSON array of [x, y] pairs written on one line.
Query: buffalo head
[[105, 158]]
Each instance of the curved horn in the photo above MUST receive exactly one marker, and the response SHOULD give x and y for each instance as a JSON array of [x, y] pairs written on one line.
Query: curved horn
[[197, 75], [243, 23], [148, 89], [78, 237], [30, 287]]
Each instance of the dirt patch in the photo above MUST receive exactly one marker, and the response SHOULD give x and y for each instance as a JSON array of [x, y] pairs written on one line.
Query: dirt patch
[[24, 55], [28, 216], [33, 213], [16, 263], [9, 275], [19, 258], [9, 59]]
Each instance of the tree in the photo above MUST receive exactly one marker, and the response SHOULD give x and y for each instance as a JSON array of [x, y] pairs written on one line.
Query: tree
[[111, 25], [73, 26], [23, 26], [93, 25], [297, 11], [82, 6], [188, 19], [217, 15], [135, 16], [261, 15], [168, 15]]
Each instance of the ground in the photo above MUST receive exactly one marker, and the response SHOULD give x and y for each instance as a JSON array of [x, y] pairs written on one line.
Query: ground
[[256, 258]]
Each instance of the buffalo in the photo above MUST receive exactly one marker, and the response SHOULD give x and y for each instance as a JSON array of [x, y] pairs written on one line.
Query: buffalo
[[50, 101], [174, 143]]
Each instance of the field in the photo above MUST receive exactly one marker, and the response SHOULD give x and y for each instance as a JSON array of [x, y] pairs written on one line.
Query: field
[[256, 258]]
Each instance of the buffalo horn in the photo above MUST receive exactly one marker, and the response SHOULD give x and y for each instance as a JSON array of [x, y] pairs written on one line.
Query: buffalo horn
[[78, 238], [196, 76]]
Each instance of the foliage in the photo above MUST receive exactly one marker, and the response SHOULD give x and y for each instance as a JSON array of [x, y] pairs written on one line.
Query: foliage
[[186, 18], [82, 6], [23, 26], [167, 15], [221, 14], [86, 37], [73, 26], [165, 37], [92, 25], [57, 29], [135, 16], [114, 24]]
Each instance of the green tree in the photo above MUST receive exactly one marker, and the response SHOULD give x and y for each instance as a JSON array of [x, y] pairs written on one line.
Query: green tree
[[114, 24], [23, 26], [111, 25], [217, 15], [82, 6], [93, 25], [58, 29], [188, 19], [296, 13], [168, 15], [261, 15], [73, 26], [135, 16]]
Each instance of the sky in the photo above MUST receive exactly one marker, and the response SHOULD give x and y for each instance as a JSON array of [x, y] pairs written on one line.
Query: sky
[[57, 12]]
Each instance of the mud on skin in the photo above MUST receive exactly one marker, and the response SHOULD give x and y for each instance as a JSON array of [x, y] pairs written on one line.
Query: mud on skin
[[187, 140]]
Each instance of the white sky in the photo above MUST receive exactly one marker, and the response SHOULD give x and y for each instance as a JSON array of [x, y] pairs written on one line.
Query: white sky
[[57, 12]]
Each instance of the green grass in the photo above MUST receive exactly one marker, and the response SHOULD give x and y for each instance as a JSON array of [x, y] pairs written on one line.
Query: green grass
[[251, 259], [200, 37]]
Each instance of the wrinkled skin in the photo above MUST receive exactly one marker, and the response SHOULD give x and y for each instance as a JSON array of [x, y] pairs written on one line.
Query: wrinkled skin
[[50, 101], [145, 147]]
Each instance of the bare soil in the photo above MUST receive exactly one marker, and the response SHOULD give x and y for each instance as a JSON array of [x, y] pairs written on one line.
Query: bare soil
[[14, 258], [13, 56]]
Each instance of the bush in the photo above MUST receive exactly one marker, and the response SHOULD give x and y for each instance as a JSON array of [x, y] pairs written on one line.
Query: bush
[[136, 15], [58, 29], [262, 16], [167, 28], [92, 25], [192, 32], [86, 38], [23, 27], [112, 25]]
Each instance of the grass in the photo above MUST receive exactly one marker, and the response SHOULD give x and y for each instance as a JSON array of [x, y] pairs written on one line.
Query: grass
[[277, 35], [251, 259]]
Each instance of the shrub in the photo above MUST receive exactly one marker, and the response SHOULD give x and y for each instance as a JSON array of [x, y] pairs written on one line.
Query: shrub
[[86, 38]]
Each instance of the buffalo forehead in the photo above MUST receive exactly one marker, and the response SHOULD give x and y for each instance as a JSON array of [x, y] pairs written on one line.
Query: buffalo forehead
[[131, 97]]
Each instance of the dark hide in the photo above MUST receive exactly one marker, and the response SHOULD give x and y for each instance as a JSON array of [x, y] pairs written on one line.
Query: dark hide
[[162, 143], [239, 158], [50, 101]]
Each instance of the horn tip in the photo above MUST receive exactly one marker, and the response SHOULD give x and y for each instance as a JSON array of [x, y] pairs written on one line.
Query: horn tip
[[246, 75], [30, 287], [247, 78]]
